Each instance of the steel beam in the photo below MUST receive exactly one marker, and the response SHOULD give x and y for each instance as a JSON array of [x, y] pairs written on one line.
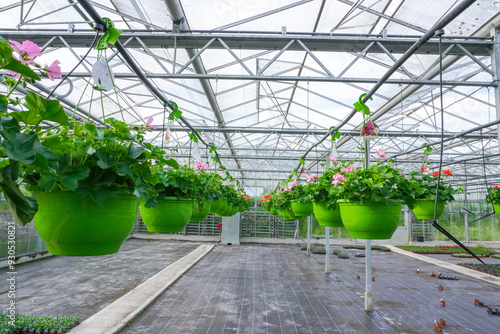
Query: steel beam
[[255, 77], [259, 41], [177, 14], [321, 132]]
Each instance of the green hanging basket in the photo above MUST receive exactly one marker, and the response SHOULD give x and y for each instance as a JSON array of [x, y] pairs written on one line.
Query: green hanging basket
[[282, 214], [170, 215], [424, 209], [73, 226], [302, 209], [496, 207], [370, 220], [218, 205], [200, 212], [327, 216]]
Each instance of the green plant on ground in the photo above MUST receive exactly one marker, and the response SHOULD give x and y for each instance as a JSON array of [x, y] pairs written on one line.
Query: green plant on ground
[[445, 249], [492, 269]]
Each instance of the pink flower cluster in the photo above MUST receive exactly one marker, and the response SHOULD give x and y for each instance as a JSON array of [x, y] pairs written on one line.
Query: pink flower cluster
[[334, 158], [381, 153], [27, 51], [350, 168], [424, 168], [337, 178], [311, 178], [495, 186], [294, 184], [201, 166], [149, 121]]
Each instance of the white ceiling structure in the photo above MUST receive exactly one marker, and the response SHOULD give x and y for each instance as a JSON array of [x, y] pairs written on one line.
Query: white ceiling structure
[[266, 80]]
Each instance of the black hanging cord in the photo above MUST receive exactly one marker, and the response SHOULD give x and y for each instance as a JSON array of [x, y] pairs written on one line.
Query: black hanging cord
[[97, 28], [441, 229]]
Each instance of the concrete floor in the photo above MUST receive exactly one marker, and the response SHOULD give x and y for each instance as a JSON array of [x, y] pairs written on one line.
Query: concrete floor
[[81, 286], [259, 288]]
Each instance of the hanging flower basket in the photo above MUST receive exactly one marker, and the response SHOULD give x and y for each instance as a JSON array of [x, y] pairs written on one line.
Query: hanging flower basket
[[73, 226], [302, 209], [169, 216], [370, 131], [370, 220], [327, 216], [424, 208], [496, 207], [200, 212], [218, 205]]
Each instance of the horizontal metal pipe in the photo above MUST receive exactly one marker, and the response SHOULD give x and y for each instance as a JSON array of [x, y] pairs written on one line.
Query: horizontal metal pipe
[[187, 75]]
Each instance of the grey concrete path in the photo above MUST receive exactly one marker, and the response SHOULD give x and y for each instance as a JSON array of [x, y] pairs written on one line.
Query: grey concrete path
[[81, 286], [258, 288], [116, 315]]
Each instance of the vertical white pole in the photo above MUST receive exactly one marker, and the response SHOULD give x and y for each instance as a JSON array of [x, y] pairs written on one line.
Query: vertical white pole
[[369, 288], [368, 251], [308, 235], [327, 259]]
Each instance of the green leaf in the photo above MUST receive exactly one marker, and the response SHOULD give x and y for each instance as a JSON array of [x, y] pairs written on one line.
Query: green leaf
[[70, 175], [294, 173], [3, 103], [110, 36], [9, 124], [18, 67], [49, 110], [172, 163], [336, 135], [22, 146], [301, 160], [23, 208], [105, 161], [134, 151], [193, 137]]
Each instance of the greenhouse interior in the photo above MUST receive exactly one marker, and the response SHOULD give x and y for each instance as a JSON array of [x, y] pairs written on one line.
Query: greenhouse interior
[[280, 166]]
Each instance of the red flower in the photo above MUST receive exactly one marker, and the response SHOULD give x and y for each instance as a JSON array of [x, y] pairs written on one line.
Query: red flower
[[447, 172], [435, 173]]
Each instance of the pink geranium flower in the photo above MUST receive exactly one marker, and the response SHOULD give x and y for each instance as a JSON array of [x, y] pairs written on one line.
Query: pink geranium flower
[[496, 186], [53, 70], [334, 158], [150, 120], [201, 166], [337, 178], [294, 184], [349, 169], [312, 178], [27, 50], [381, 153]]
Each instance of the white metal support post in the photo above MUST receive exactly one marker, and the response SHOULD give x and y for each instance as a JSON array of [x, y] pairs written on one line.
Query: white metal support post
[[368, 250], [308, 235], [495, 66], [327, 258]]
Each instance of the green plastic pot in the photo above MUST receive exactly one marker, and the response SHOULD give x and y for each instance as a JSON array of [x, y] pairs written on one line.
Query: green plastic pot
[[200, 212], [424, 209], [217, 205], [370, 220], [302, 209], [327, 216], [496, 207], [227, 211], [170, 215], [74, 226], [282, 214]]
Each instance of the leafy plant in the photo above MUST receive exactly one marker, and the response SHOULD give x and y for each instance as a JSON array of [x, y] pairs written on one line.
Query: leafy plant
[[378, 183], [47, 150], [493, 195]]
